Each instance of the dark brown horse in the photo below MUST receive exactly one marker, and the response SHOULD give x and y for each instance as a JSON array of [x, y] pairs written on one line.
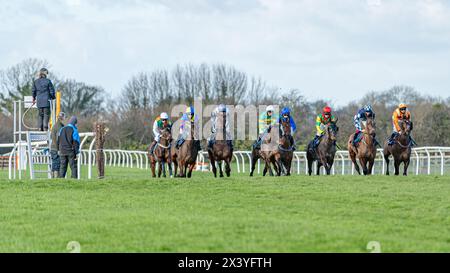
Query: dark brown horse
[[221, 151], [268, 152], [285, 148], [400, 150], [186, 156], [325, 151], [161, 154], [365, 150]]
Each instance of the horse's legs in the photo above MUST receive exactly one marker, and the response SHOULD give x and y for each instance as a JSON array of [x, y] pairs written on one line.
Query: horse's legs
[[310, 160], [405, 167], [279, 167], [330, 163], [220, 168], [185, 167], [254, 160], [363, 163], [175, 167], [163, 164], [159, 169], [153, 168], [191, 168], [319, 164], [265, 168], [170, 168], [371, 162], [213, 166], [397, 166], [182, 168], [353, 159], [288, 167], [227, 167], [268, 167], [386, 159]]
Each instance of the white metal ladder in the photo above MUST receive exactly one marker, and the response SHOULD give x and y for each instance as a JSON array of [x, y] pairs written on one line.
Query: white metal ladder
[[41, 155]]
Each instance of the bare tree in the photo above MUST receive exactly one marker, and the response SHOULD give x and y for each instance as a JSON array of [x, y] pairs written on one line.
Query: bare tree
[[17, 81], [81, 99]]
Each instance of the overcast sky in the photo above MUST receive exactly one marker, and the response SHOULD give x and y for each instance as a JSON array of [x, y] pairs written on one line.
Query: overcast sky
[[328, 49]]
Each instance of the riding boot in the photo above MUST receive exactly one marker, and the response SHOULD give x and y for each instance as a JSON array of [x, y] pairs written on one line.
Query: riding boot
[[355, 138], [392, 139], [179, 142], [257, 144], [210, 144], [152, 147]]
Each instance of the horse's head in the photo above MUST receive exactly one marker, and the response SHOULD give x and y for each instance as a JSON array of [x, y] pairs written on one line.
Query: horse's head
[[166, 136], [406, 127], [285, 127], [370, 127], [332, 131]]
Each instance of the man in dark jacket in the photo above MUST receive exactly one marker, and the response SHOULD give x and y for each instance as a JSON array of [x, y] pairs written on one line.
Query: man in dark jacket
[[69, 147], [56, 160], [43, 91]]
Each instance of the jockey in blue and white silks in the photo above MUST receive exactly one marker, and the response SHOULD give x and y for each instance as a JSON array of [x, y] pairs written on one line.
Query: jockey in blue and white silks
[[360, 119], [216, 115], [188, 119]]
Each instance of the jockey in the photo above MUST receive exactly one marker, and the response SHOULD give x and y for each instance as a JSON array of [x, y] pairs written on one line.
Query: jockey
[[220, 110], [361, 118], [400, 114], [188, 119], [266, 121], [322, 120], [162, 122], [286, 115]]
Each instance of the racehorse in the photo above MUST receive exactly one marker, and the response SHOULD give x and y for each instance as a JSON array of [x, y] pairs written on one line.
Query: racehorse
[[268, 152], [325, 151], [285, 148], [161, 154], [365, 150], [400, 150], [221, 151], [186, 156]]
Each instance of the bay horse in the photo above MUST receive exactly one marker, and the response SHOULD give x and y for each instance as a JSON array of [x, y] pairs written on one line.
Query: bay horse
[[325, 152], [161, 154], [186, 156], [365, 150], [221, 151], [285, 147], [268, 152], [400, 150]]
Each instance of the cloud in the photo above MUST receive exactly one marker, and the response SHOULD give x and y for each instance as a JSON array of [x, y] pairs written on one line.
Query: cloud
[[327, 49]]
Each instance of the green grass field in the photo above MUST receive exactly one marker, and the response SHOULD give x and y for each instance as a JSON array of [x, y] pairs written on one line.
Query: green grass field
[[130, 212]]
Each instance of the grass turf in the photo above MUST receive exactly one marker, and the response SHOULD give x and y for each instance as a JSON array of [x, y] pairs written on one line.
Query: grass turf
[[130, 212]]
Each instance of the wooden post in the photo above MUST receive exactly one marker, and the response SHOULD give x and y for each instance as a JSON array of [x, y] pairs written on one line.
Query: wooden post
[[100, 132]]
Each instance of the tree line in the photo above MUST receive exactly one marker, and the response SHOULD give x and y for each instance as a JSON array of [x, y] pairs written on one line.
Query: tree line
[[130, 116]]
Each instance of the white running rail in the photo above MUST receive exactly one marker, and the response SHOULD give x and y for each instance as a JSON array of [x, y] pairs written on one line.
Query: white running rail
[[424, 160]]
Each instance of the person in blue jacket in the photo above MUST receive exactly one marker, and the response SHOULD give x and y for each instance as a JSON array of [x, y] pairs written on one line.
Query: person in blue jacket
[[68, 142]]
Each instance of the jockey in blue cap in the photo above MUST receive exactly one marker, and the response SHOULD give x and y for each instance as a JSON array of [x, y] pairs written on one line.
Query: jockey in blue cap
[[360, 119], [188, 120], [285, 114]]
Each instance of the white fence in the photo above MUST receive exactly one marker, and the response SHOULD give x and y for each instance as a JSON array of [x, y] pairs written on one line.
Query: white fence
[[424, 160]]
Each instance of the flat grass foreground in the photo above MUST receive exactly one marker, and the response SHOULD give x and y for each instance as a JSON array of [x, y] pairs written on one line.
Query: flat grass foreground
[[130, 212]]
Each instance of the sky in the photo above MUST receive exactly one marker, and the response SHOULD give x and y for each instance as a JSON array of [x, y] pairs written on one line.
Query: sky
[[328, 49]]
